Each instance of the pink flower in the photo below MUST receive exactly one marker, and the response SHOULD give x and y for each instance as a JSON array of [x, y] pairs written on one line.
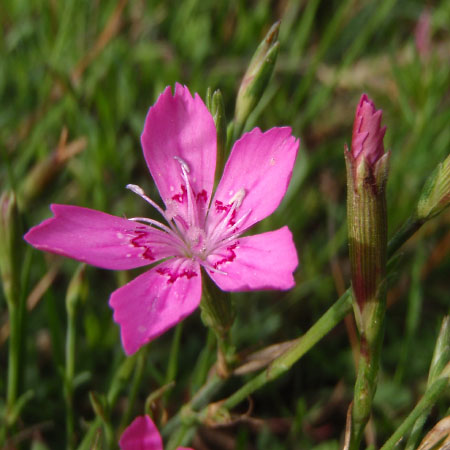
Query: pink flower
[[142, 434], [179, 143], [367, 139], [422, 34]]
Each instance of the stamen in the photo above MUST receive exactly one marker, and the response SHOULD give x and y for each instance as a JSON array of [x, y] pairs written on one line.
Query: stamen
[[169, 238], [232, 228], [238, 198], [235, 202], [182, 163], [156, 224], [192, 216], [139, 191], [231, 237], [211, 268]]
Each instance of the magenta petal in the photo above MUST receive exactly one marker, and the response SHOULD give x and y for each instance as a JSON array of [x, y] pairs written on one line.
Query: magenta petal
[[367, 137], [263, 261], [260, 165], [156, 301], [141, 434], [100, 239], [180, 126]]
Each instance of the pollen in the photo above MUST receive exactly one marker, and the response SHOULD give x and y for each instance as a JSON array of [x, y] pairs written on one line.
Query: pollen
[[238, 198]]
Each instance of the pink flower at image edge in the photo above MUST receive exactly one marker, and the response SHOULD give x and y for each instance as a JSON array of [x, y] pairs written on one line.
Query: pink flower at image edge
[[142, 434], [179, 145]]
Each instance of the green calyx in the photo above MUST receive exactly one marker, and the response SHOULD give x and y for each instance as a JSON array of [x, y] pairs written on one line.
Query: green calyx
[[435, 195]]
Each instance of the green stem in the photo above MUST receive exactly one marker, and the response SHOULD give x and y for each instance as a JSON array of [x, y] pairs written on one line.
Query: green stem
[[13, 358], [135, 385], [325, 324], [416, 432], [94, 427], [427, 401], [218, 314], [279, 366], [441, 357], [200, 399], [299, 348], [182, 435], [121, 379], [367, 233], [412, 224], [16, 303], [69, 376], [365, 386], [237, 130], [118, 383], [172, 366]]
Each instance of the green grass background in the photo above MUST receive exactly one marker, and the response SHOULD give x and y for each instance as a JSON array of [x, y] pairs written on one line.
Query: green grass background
[[92, 69]]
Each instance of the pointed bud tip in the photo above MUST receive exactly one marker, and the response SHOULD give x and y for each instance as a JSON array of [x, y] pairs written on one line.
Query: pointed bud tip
[[367, 138], [272, 35]]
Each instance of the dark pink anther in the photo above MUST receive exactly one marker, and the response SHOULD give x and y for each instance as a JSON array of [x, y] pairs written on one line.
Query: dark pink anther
[[231, 256], [172, 277]]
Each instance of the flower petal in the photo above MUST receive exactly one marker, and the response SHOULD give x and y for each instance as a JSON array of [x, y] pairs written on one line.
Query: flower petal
[[263, 261], [156, 301], [260, 167], [178, 128], [141, 434], [367, 137], [100, 239]]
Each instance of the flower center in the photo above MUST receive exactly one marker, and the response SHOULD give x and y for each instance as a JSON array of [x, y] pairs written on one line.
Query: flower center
[[195, 231]]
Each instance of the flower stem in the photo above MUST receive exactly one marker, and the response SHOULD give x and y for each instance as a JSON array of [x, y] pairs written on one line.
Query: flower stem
[[135, 385], [69, 376], [183, 435], [284, 362], [13, 357], [279, 366], [441, 357], [72, 299], [412, 224], [200, 400], [367, 232], [118, 383], [427, 401], [10, 267], [218, 314], [299, 348]]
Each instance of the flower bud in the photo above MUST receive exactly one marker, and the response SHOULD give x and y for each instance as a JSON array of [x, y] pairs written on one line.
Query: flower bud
[[367, 138], [435, 195], [218, 112], [368, 159], [9, 246], [367, 168], [256, 77], [422, 35]]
